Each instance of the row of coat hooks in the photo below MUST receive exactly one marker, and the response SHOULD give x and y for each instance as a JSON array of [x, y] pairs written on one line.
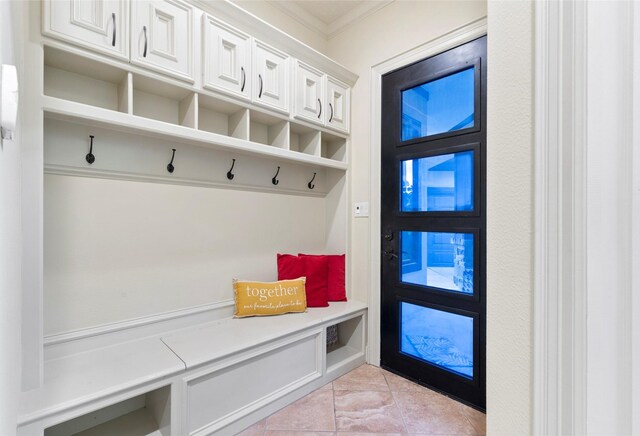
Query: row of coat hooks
[[90, 158]]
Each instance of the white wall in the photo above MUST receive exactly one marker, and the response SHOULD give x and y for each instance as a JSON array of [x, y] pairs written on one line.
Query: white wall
[[117, 250], [509, 217], [10, 251]]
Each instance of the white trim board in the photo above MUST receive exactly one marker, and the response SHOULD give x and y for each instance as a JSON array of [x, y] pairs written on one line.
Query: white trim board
[[459, 36]]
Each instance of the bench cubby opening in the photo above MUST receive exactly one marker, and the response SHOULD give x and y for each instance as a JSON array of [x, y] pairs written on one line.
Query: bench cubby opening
[[143, 415], [269, 130], [74, 78], [333, 147], [223, 118], [305, 140], [158, 100], [350, 343]]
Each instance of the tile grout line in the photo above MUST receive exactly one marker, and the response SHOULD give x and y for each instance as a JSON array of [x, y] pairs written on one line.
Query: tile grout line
[[404, 422]]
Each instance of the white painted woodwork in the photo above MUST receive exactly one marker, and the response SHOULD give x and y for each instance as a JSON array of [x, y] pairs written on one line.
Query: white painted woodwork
[[101, 25], [350, 345], [78, 379], [226, 58], [309, 95], [338, 110], [262, 378], [270, 77], [162, 37]]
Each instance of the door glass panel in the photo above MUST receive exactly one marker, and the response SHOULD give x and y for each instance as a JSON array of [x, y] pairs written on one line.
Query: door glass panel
[[441, 338], [438, 260], [438, 183], [442, 105]]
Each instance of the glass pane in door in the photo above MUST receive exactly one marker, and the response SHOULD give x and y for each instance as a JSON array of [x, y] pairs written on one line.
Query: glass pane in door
[[441, 183], [442, 105], [437, 260], [444, 339]]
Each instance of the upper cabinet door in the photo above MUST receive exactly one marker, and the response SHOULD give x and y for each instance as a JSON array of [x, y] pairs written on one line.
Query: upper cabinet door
[[101, 25], [227, 58], [270, 77], [162, 37], [309, 101], [338, 105]]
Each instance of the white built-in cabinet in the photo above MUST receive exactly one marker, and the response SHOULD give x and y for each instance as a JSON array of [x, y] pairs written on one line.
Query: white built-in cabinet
[[270, 77], [162, 37], [102, 25], [226, 58], [338, 105], [320, 99]]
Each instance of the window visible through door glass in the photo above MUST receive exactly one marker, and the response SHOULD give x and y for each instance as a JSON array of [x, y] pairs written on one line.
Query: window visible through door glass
[[438, 260], [441, 338], [437, 183], [442, 105]]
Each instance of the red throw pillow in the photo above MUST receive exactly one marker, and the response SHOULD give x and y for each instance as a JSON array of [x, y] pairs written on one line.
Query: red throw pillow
[[314, 269], [336, 290]]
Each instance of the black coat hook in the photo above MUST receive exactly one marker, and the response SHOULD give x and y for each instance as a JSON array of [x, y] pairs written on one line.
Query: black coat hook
[[275, 180], [230, 175], [170, 167], [90, 157], [310, 184]]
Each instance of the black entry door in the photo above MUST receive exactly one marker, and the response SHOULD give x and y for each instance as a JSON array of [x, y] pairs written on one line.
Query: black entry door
[[433, 222]]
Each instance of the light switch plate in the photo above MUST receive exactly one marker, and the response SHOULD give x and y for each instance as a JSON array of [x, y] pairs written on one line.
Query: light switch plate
[[361, 210]]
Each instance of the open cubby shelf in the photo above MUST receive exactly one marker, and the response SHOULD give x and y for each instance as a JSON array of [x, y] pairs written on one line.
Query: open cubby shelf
[[144, 415], [350, 344], [87, 90]]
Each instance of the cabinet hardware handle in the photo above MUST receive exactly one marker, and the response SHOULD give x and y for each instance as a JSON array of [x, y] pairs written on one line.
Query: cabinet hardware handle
[[244, 79], [90, 157], [170, 167], [310, 185], [319, 104], [260, 93], [144, 53], [331, 109], [275, 180], [230, 175], [113, 38]]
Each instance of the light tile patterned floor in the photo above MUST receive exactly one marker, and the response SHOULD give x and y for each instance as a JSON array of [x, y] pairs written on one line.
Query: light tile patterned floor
[[371, 401]]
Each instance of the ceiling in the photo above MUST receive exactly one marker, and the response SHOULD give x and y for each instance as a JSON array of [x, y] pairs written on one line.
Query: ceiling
[[328, 17]]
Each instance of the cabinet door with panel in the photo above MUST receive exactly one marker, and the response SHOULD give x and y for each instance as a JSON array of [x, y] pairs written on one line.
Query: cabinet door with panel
[[227, 58], [338, 105], [270, 77], [101, 25], [162, 37], [309, 96]]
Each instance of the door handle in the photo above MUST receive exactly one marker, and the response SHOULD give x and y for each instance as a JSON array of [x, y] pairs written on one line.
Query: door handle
[[390, 255], [244, 79], [331, 116], [388, 237], [260, 79], [319, 104]]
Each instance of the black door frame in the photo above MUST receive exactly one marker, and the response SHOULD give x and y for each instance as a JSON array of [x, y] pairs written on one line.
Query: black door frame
[[471, 391]]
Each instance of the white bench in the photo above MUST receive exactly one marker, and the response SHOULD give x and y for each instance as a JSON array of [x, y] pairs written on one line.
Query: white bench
[[212, 378]]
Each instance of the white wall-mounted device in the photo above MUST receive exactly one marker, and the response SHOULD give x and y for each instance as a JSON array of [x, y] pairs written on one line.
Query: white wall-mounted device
[[8, 100]]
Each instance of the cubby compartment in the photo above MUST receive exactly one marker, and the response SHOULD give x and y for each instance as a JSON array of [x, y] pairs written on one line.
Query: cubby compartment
[[304, 140], [158, 100], [333, 147], [349, 344], [217, 116], [82, 80], [268, 130], [144, 415]]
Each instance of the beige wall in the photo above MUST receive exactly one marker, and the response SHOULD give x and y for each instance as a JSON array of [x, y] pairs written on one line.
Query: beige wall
[[510, 217]]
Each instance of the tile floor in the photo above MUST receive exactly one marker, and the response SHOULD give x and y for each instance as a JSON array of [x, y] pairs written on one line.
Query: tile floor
[[371, 401]]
